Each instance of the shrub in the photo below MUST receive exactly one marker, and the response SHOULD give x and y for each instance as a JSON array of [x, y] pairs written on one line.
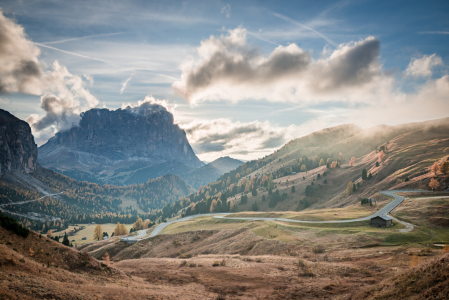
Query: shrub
[[12, 225], [406, 179], [216, 264], [318, 249], [364, 201]]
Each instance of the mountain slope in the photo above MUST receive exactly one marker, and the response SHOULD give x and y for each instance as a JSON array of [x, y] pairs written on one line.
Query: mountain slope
[[107, 145], [17, 148], [212, 171], [319, 168], [195, 177]]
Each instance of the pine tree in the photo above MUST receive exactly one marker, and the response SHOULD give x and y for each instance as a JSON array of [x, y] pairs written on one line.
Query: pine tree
[[66, 241], [364, 174]]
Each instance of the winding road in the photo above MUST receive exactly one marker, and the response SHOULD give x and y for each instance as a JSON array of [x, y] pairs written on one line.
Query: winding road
[[381, 212]]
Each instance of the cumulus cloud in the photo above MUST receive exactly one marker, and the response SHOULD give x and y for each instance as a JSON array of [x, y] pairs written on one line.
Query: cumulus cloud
[[150, 105], [211, 139], [63, 95], [19, 67], [422, 67], [229, 68]]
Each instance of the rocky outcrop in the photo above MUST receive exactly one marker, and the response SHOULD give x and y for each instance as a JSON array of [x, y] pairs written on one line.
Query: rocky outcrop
[[106, 137], [18, 151]]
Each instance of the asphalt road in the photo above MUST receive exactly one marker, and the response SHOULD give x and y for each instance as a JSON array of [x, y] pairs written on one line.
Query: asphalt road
[[383, 211]]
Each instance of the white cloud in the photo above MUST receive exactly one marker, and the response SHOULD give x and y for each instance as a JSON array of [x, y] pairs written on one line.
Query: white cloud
[[226, 10], [422, 67], [89, 78], [124, 84], [228, 68], [63, 95]]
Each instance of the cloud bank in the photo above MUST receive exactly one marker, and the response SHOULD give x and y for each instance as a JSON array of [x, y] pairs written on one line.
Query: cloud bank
[[63, 95], [229, 68]]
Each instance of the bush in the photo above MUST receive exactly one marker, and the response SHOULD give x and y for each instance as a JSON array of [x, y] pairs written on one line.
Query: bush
[[406, 179], [325, 181], [318, 249], [293, 189], [364, 201], [11, 224]]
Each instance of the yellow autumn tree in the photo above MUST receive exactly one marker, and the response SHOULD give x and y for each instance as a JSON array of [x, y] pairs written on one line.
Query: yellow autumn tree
[[237, 175], [264, 178], [349, 188], [434, 184], [138, 225], [435, 168], [381, 156], [333, 165], [444, 167], [106, 258], [213, 205], [321, 162], [248, 171], [231, 206], [120, 229], [49, 234], [98, 233], [351, 163], [303, 168]]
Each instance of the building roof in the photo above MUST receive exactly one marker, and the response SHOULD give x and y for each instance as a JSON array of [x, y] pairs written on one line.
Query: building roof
[[384, 217]]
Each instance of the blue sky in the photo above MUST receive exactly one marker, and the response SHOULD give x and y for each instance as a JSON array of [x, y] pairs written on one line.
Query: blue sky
[[164, 49]]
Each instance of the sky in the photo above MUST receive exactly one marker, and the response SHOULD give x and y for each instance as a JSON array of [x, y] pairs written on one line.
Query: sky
[[242, 78]]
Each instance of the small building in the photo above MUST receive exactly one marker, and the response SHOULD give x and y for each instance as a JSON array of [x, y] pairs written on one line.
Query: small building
[[293, 173], [381, 221], [84, 238]]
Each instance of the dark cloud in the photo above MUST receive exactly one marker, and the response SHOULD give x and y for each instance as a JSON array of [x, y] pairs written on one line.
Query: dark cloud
[[59, 113], [352, 65], [229, 68], [19, 67]]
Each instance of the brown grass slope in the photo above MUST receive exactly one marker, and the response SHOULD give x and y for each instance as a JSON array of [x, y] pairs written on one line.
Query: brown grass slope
[[427, 281], [53, 271]]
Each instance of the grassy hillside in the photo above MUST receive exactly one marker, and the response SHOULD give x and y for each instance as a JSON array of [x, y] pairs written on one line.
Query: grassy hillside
[[408, 151]]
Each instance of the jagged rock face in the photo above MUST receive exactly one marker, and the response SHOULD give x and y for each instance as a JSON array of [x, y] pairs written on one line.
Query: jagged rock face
[[104, 137], [18, 151]]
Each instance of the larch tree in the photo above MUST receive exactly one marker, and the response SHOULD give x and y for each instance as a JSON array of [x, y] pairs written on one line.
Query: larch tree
[[322, 163], [138, 225], [49, 234], [381, 156], [435, 168], [351, 163], [434, 184], [303, 168], [98, 233], [333, 165], [349, 188], [444, 169], [106, 258], [213, 205], [231, 205]]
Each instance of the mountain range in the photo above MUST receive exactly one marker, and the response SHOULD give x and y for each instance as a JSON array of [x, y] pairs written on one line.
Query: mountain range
[[128, 146]]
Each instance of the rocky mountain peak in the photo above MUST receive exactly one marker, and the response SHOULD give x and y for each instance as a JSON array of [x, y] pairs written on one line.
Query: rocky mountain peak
[[18, 151]]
